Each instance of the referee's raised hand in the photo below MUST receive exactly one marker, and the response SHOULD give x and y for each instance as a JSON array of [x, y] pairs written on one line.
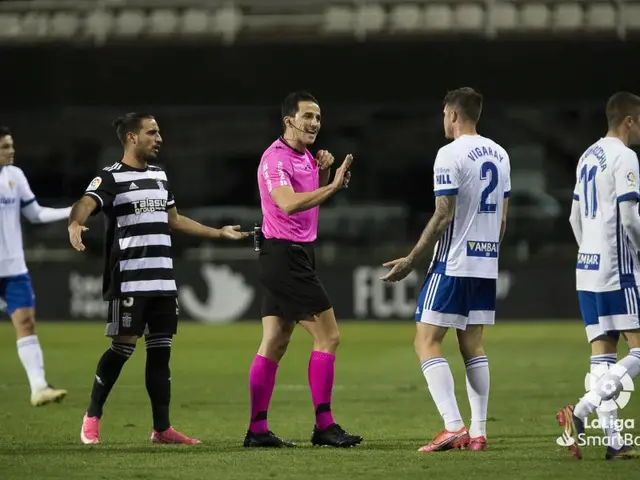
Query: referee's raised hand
[[324, 159], [343, 175]]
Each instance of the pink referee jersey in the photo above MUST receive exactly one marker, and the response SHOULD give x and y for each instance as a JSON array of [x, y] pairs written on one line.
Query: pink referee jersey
[[281, 165]]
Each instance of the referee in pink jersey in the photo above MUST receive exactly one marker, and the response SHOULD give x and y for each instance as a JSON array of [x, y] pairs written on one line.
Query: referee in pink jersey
[[292, 185]]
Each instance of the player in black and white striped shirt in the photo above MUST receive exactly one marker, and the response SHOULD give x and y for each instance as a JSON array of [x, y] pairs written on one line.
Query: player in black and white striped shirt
[[139, 282]]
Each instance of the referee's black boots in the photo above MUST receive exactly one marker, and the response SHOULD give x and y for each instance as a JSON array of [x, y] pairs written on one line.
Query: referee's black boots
[[334, 436], [265, 440]]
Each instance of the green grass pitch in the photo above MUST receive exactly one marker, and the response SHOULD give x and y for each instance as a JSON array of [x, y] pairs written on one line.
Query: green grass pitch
[[380, 394]]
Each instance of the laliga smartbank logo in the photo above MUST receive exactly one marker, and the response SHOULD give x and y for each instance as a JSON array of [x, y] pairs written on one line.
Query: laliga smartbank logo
[[619, 398]]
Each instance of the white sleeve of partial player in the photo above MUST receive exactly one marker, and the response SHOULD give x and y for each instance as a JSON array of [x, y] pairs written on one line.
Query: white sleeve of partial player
[[575, 219], [38, 214], [631, 221]]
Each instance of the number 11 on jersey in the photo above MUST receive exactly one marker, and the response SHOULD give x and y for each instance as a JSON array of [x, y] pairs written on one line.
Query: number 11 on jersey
[[588, 180]]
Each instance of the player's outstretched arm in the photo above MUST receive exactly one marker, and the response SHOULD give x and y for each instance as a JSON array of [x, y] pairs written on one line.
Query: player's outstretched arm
[[188, 226], [36, 213], [292, 202], [80, 212], [575, 220], [32, 210], [442, 217]]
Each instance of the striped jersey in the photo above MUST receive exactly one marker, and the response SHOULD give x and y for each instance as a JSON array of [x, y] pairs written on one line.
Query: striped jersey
[[477, 172], [135, 202], [607, 175]]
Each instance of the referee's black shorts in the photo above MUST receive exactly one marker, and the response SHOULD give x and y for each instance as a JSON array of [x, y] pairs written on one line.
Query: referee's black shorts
[[293, 290]]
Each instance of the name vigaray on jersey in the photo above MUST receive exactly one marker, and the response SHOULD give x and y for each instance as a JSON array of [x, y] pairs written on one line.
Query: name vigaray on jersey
[[479, 152]]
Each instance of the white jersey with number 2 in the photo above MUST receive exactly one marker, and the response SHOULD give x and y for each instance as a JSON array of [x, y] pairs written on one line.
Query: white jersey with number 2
[[477, 171]]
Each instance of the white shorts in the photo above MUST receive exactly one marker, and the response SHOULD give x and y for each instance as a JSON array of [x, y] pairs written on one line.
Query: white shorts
[[609, 313], [456, 302]]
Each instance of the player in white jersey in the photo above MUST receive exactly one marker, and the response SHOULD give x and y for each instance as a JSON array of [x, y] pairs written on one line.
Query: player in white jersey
[[472, 186], [604, 218], [16, 292]]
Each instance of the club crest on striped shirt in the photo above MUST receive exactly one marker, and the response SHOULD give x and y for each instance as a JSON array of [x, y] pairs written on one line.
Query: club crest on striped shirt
[[160, 185]]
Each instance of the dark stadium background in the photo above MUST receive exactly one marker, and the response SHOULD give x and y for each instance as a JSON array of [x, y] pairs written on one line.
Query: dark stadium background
[[214, 72]]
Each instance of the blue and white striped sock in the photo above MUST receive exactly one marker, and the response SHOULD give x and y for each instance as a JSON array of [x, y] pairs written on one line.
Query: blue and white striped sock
[[630, 365], [478, 382], [439, 379]]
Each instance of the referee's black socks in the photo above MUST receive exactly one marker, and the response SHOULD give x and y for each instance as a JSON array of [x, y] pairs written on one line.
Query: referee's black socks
[[109, 368], [158, 379]]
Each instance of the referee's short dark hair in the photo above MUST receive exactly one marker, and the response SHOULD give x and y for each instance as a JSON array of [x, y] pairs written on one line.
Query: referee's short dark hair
[[4, 131], [292, 102], [467, 102], [129, 123], [620, 106]]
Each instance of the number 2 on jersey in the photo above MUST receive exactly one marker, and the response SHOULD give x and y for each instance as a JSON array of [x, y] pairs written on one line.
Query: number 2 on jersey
[[588, 179], [488, 168]]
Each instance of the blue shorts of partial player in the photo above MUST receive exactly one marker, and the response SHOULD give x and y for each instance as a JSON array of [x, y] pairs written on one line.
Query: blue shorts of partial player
[[16, 292], [456, 302], [609, 313]]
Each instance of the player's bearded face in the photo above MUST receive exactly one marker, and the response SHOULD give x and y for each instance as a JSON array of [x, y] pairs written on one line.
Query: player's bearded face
[[148, 148], [6, 150], [148, 141]]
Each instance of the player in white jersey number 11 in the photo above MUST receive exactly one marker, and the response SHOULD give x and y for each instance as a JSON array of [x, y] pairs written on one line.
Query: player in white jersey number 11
[[16, 292], [606, 225], [471, 184]]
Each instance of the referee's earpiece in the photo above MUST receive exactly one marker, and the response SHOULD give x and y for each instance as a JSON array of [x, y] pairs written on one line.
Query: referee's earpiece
[[290, 124]]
